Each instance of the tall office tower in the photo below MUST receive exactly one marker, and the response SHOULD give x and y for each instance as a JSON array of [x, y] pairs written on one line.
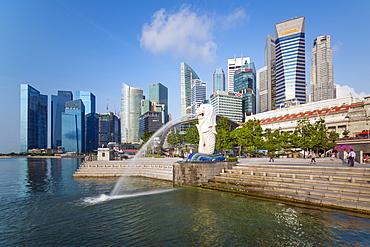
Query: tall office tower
[[33, 119], [150, 121], [262, 90], [245, 84], [73, 127], [270, 63], [57, 108], [232, 65], [91, 120], [187, 74], [228, 104], [88, 99], [198, 94], [322, 76], [218, 80], [290, 61], [159, 93], [130, 112], [109, 129]]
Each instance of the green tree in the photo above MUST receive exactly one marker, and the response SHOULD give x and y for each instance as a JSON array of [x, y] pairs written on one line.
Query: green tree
[[303, 135], [192, 134], [223, 137], [248, 136], [345, 133], [146, 136], [174, 138], [272, 140]]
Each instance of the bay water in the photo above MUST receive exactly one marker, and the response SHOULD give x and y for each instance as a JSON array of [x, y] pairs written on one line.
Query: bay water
[[42, 205]]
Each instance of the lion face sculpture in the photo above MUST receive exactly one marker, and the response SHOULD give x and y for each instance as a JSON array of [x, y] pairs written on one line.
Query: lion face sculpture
[[206, 117], [206, 128]]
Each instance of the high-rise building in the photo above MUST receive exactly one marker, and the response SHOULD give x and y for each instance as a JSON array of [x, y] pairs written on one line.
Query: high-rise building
[[130, 112], [57, 108], [91, 120], [88, 99], [33, 119], [270, 63], [198, 94], [109, 129], [262, 90], [150, 121], [232, 65], [73, 127], [218, 80], [228, 104], [159, 93], [290, 61], [187, 74], [322, 75], [245, 84]]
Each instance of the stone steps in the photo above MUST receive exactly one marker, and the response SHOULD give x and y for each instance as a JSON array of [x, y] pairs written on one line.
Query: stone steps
[[338, 187], [294, 198]]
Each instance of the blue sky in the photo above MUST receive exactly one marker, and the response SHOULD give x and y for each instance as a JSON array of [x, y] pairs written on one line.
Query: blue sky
[[96, 45]]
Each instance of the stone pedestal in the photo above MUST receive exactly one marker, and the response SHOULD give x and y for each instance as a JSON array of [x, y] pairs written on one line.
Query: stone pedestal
[[196, 173]]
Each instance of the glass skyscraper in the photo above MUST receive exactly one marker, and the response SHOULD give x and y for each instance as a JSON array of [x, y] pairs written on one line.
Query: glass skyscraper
[[130, 112], [57, 108], [245, 84], [290, 61], [33, 119], [218, 80], [159, 93], [73, 127], [91, 120], [88, 99], [186, 76]]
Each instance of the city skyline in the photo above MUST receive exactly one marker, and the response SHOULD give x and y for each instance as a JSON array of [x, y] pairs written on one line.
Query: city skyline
[[66, 45]]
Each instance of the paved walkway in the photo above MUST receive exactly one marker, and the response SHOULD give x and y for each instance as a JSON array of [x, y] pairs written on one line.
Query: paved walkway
[[326, 161]]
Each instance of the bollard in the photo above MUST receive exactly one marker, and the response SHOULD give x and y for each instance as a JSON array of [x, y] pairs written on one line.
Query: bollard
[[278, 175], [311, 177], [264, 174], [293, 176], [252, 173], [331, 178], [353, 180], [241, 172]]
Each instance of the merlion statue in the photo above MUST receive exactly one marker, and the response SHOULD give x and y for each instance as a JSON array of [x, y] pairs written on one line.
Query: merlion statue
[[206, 129]]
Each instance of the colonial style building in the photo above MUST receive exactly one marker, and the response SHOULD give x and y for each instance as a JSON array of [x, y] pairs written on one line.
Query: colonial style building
[[348, 113]]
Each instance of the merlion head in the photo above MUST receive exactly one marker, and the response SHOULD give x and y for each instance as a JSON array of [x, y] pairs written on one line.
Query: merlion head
[[206, 116]]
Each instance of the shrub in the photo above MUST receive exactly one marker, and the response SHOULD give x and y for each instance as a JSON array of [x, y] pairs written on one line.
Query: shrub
[[232, 159]]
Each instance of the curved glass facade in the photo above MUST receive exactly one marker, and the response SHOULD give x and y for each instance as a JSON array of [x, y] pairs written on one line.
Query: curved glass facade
[[186, 76]]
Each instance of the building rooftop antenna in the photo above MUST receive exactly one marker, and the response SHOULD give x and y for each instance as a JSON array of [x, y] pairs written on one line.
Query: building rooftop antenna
[[107, 105]]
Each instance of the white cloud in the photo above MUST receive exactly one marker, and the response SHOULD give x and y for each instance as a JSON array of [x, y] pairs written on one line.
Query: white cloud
[[343, 91], [234, 18], [185, 34], [336, 46]]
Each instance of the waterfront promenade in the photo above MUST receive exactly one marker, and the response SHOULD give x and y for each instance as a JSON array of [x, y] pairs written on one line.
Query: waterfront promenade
[[326, 184]]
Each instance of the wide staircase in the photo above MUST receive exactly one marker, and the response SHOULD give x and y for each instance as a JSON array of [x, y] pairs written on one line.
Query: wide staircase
[[146, 167], [346, 188]]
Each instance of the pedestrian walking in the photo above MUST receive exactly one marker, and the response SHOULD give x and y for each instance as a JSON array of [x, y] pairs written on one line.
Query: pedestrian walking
[[271, 157], [351, 158], [313, 156]]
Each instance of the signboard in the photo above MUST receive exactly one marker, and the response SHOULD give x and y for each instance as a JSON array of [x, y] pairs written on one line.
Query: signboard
[[289, 31]]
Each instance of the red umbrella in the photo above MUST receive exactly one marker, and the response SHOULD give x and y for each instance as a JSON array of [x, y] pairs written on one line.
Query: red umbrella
[[346, 148]]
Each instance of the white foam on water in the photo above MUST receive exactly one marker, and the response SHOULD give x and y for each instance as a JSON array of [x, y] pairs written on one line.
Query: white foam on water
[[104, 197]]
